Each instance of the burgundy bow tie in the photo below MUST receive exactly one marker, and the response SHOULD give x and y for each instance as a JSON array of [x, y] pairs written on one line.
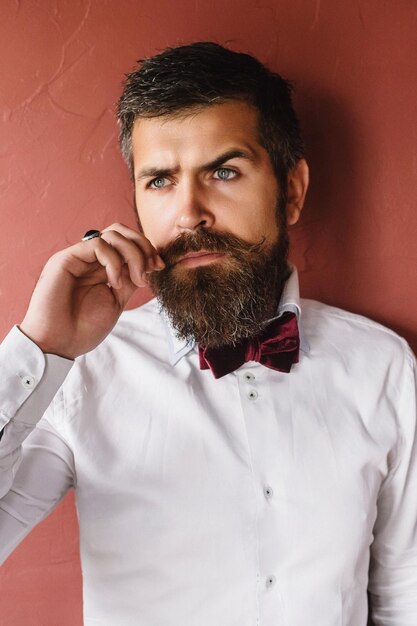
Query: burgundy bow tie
[[277, 347]]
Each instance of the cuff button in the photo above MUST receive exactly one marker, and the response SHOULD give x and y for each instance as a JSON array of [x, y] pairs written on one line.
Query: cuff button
[[27, 381]]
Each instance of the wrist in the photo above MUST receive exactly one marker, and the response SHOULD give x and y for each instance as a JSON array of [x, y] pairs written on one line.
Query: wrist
[[45, 346]]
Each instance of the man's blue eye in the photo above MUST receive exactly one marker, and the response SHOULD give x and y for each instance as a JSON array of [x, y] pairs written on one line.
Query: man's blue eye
[[224, 173], [158, 183]]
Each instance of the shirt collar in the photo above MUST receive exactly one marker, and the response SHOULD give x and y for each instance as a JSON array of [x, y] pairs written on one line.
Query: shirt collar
[[290, 301]]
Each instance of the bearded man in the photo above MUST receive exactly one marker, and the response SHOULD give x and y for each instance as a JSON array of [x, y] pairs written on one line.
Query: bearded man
[[240, 456]]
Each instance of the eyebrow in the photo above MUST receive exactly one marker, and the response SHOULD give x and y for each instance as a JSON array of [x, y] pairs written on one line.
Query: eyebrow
[[157, 172]]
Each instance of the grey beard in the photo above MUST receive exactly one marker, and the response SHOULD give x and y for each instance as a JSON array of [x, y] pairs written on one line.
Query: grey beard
[[227, 300]]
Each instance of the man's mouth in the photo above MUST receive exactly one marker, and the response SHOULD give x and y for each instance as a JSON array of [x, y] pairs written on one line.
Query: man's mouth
[[202, 257]]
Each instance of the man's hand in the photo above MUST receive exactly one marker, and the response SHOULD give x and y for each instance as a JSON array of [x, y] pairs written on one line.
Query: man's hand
[[83, 290]]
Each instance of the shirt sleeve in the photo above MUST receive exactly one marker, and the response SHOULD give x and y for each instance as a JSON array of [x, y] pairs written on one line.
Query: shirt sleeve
[[393, 571], [36, 465]]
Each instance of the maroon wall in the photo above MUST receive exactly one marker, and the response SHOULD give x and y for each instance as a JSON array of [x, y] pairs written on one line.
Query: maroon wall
[[61, 65]]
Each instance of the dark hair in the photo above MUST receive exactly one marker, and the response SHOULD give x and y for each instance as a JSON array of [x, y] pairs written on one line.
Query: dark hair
[[205, 73]]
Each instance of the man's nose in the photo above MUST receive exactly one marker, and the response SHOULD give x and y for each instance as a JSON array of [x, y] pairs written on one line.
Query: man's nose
[[192, 207]]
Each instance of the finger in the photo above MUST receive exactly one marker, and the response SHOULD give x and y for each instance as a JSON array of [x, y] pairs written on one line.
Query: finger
[[138, 256], [140, 240], [127, 289], [82, 258], [111, 261]]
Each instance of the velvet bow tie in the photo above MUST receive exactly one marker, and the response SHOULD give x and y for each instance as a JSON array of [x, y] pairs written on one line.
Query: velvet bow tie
[[277, 348]]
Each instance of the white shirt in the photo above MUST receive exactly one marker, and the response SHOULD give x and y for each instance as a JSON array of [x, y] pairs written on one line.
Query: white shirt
[[254, 500]]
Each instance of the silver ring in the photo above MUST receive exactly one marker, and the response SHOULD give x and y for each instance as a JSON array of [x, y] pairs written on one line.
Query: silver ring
[[91, 234]]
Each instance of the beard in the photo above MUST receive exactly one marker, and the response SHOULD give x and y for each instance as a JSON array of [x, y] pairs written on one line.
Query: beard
[[228, 300]]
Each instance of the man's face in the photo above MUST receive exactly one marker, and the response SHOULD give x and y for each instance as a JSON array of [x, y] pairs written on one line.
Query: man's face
[[207, 169], [208, 200]]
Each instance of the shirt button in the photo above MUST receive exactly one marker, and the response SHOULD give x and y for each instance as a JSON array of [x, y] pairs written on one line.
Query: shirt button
[[268, 492], [248, 376], [270, 581], [252, 394], [27, 381]]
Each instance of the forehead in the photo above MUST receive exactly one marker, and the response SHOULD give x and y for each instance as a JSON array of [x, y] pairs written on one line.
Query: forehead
[[197, 133]]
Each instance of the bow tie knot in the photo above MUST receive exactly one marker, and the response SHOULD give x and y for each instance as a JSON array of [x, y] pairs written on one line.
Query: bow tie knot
[[253, 351], [277, 348]]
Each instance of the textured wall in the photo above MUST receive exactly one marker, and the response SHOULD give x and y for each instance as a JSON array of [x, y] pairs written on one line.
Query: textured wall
[[61, 64]]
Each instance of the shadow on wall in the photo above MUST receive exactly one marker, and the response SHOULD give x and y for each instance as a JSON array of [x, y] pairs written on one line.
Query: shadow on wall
[[339, 243], [328, 236]]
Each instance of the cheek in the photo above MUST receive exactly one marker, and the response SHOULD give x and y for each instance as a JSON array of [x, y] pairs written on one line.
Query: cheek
[[156, 212], [150, 222], [259, 206], [256, 223], [157, 233]]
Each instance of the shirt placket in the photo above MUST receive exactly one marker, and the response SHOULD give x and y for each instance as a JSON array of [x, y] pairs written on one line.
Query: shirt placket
[[259, 409]]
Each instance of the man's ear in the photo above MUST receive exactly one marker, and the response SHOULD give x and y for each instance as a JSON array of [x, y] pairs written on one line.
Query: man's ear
[[297, 188]]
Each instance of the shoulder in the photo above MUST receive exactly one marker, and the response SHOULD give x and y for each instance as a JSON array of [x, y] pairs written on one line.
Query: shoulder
[[139, 334], [355, 337], [142, 327], [128, 359], [145, 318], [358, 363]]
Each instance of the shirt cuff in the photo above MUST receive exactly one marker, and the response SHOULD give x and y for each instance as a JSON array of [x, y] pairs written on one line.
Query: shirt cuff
[[29, 379]]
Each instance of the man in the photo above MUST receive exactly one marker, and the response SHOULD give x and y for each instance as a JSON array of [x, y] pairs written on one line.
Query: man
[[240, 456]]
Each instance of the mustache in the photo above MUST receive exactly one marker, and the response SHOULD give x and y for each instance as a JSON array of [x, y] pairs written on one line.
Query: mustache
[[207, 240]]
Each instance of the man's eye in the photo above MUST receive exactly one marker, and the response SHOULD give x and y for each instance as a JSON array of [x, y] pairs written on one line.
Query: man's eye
[[225, 173], [158, 183]]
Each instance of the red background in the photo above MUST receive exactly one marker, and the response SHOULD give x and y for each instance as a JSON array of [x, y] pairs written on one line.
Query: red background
[[61, 66]]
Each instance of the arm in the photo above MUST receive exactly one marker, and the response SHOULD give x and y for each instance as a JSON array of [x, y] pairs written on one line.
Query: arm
[[44, 475], [29, 380], [78, 299], [393, 573], [36, 475]]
